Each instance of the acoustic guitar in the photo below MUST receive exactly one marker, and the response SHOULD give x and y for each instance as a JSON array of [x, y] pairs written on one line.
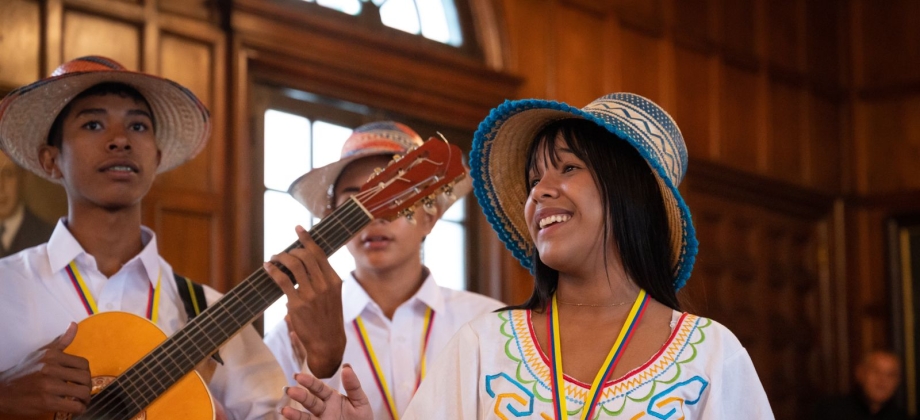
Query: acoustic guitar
[[139, 373]]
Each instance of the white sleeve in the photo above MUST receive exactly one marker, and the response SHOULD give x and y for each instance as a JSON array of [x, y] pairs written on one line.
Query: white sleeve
[[279, 343], [739, 393], [451, 388], [249, 383]]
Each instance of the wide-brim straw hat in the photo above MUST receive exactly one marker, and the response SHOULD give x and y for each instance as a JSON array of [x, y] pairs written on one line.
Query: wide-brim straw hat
[[181, 122], [500, 147], [385, 138]]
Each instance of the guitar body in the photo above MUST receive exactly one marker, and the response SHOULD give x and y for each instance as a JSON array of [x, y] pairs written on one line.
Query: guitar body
[[112, 342]]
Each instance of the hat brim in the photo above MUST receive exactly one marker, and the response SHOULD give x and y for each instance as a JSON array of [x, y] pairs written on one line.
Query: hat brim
[[498, 160], [313, 189], [181, 121]]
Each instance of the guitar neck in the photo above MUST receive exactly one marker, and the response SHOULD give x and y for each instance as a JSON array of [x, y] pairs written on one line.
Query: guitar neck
[[147, 379]]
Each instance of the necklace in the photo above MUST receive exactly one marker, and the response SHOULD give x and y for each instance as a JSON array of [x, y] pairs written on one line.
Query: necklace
[[557, 380], [595, 305]]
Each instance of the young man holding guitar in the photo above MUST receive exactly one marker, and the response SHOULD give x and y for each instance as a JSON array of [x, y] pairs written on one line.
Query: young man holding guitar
[[103, 133], [397, 319]]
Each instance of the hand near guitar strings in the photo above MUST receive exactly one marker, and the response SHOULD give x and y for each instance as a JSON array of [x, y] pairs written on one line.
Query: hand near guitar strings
[[47, 380], [315, 306], [323, 402]]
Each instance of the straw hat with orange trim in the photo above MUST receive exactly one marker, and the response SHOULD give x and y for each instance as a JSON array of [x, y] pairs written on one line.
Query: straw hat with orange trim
[[181, 122], [384, 138]]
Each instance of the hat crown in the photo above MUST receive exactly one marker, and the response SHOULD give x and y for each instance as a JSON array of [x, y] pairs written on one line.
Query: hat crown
[[648, 124], [384, 136], [86, 64]]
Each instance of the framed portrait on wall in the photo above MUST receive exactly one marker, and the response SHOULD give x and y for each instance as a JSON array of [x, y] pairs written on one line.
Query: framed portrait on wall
[[904, 267]]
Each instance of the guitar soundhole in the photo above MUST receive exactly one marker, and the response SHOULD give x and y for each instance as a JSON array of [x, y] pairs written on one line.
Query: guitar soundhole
[[98, 383]]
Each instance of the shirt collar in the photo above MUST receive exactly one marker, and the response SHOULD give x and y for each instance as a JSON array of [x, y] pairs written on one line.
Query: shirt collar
[[355, 299], [64, 248]]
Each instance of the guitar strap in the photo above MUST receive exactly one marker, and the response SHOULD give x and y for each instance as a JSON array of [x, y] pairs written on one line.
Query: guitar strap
[[192, 296]]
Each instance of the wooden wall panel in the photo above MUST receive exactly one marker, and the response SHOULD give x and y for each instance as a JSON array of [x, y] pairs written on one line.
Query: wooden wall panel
[[890, 43], [190, 63], [20, 38], [788, 148], [826, 150], [646, 15], [823, 28], [693, 104], [890, 145], [579, 77], [785, 27], [739, 107], [693, 22], [739, 29], [86, 34], [759, 271], [531, 57], [641, 65], [188, 246]]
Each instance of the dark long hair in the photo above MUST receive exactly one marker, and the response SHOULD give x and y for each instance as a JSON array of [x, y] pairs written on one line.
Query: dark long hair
[[636, 215]]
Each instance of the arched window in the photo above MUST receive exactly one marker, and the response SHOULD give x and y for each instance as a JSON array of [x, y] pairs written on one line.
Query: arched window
[[433, 19]]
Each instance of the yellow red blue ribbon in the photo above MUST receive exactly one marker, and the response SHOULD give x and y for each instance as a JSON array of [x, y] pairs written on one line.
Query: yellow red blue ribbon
[[379, 378], [613, 358], [89, 303]]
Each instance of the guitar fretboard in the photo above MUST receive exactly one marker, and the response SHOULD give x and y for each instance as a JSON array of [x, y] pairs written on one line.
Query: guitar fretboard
[[144, 382]]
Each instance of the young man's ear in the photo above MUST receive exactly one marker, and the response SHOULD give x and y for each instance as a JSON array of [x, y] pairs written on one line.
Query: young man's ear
[[159, 156], [48, 155]]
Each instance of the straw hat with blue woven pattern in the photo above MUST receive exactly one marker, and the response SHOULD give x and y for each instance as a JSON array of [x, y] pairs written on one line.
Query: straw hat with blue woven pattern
[[182, 123], [498, 162]]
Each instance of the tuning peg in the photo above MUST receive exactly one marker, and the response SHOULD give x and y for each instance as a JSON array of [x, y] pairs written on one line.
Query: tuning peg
[[428, 205], [396, 158], [449, 193], [410, 216], [377, 171]]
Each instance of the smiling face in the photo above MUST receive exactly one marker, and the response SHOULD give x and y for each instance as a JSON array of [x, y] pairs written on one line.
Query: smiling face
[[382, 245], [108, 155], [564, 211]]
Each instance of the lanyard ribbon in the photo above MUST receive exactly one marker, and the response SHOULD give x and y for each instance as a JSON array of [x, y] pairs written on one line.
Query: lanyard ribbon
[[381, 381], [89, 303], [555, 350]]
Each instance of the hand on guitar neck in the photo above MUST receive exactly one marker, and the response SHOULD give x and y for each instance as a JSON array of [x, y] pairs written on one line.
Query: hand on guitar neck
[[315, 306], [47, 380]]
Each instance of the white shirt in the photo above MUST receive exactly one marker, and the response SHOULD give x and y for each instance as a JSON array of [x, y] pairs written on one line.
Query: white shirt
[[11, 226], [494, 368], [38, 302], [396, 342]]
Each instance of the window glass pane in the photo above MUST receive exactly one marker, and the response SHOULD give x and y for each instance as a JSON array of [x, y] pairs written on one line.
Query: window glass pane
[[329, 139], [352, 7], [456, 212], [282, 213], [434, 21], [445, 250], [400, 14], [287, 148]]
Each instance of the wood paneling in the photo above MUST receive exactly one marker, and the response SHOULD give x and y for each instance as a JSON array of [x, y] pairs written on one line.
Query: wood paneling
[[693, 101], [194, 231], [641, 68], [785, 27], [739, 108], [577, 33], [20, 37], [824, 127], [86, 34], [788, 148], [739, 29], [890, 43], [190, 63], [890, 145]]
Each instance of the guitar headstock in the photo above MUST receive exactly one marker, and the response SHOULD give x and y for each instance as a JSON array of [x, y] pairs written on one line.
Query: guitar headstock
[[419, 176]]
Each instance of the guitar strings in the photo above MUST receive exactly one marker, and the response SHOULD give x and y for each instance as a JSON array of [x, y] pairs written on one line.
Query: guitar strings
[[247, 290], [253, 285]]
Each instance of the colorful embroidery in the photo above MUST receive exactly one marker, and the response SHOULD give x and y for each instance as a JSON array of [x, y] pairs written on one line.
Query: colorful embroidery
[[532, 374]]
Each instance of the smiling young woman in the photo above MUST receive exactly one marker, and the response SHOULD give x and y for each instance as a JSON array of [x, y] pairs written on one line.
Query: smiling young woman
[[588, 200]]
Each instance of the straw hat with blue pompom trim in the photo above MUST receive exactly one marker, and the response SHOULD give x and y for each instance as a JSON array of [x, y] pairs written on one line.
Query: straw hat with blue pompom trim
[[499, 155]]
